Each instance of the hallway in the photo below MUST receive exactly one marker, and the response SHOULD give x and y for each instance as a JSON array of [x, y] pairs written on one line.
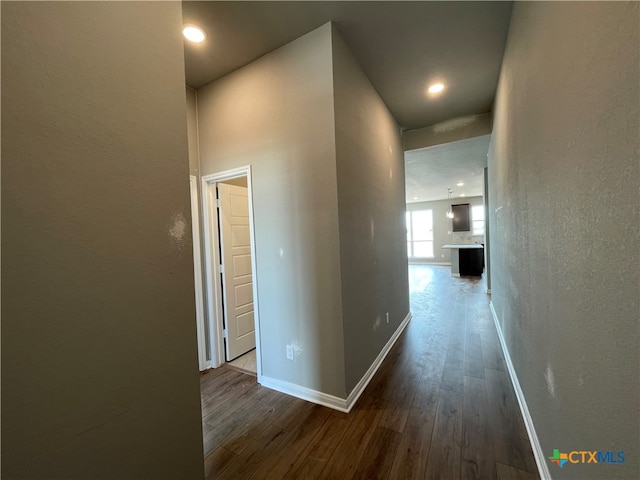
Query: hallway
[[440, 406]]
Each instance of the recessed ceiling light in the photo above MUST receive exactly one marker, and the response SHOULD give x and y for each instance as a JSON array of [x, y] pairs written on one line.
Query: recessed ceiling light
[[460, 184], [415, 198], [463, 195], [436, 88], [193, 33]]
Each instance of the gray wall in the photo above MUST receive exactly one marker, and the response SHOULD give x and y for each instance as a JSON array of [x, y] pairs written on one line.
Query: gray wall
[[487, 231], [448, 131], [99, 365], [192, 132], [373, 253], [564, 207], [194, 169], [442, 225], [276, 114]]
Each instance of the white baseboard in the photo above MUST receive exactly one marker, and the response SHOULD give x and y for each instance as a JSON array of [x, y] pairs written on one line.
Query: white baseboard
[[331, 401], [364, 381], [541, 459], [305, 393]]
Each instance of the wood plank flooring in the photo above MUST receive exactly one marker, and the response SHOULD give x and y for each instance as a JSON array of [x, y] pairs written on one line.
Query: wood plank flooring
[[245, 363], [441, 406]]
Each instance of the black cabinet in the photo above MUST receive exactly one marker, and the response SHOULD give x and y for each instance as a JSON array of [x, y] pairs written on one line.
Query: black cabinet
[[471, 261], [461, 217]]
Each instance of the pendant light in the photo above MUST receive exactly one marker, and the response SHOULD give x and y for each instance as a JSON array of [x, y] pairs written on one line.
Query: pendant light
[[449, 213]]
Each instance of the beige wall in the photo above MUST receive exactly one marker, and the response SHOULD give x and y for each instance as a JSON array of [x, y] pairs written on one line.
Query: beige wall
[[448, 131], [238, 182], [194, 169], [442, 228], [192, 132], [373, 255], [564, 212], [293, 116], [99, 365], [276, 114]]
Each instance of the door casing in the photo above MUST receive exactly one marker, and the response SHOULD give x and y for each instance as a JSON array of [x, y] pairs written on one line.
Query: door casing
[[213, 262], [203, 363]]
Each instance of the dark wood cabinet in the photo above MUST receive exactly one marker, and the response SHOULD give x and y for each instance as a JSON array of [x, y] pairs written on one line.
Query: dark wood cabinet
[[471, 261], [461, 217]]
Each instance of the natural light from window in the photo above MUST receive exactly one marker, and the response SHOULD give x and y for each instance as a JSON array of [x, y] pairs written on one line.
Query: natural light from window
[[477, 217], [420, 234]]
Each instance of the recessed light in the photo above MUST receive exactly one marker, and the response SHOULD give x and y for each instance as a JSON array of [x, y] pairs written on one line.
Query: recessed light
[[436, 88], [415, 198], [460, 184], [463, 195], [193, 33]]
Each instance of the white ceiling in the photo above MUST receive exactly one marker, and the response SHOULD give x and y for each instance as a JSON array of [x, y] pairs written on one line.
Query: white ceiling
[[402, 46], [430, 171]]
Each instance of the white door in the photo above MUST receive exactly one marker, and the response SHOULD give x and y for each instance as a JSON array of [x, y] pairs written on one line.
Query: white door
[[237, 282]]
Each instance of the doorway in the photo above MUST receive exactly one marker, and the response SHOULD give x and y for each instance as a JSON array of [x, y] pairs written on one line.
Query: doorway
[[230, 267]]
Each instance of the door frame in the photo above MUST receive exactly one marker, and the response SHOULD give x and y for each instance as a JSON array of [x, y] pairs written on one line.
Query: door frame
[[213, 261], [203, 363]]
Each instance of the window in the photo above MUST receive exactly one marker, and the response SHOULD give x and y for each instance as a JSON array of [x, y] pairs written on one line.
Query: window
[[420, 234], [477, 217]]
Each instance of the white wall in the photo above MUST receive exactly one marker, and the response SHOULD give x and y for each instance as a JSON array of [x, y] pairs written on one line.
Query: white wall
[[373, 254], [276, 114], [442, 227], [564, 213], [99, 364]]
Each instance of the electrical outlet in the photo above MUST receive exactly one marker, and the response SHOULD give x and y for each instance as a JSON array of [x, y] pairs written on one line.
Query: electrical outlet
[[387, 318], [289, 352]]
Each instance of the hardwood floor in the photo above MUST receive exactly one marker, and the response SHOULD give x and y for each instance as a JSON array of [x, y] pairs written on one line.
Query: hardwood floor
[[246, 363], [441, 406]]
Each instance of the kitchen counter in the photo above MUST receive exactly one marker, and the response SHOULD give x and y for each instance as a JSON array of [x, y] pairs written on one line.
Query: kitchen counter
[[466, 259]]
